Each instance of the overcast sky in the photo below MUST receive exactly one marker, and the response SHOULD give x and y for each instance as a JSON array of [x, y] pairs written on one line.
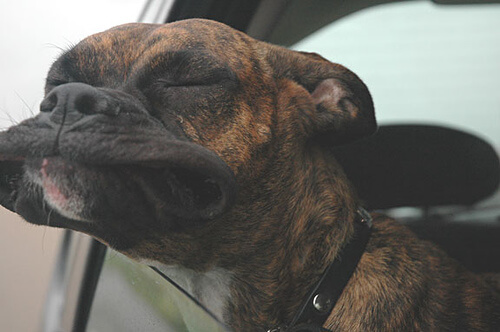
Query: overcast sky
[[32, 34]]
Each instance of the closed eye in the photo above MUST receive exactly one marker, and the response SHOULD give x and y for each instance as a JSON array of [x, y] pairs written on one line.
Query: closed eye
[[172, 83], [204, 81], [186, 78]]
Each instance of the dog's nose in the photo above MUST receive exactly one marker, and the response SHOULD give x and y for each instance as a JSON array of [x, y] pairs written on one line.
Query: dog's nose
[[70, 102]]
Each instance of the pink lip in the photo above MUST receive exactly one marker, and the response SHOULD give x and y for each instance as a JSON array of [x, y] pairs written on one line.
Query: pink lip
[[50, 188]]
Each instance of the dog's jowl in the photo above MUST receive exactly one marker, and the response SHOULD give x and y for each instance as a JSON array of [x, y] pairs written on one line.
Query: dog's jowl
[[197, 149]]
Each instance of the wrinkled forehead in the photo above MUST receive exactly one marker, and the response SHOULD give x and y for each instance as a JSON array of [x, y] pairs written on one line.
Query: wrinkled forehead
[[118, 53]]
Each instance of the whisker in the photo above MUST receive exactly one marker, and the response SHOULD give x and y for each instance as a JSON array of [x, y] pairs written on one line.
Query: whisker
[[11, 119], [43, 238], [30, 108], [49, 215], [50, 45]]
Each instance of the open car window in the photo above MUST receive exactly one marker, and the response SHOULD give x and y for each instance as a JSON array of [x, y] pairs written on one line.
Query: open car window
[[135, 297], [424, 64]]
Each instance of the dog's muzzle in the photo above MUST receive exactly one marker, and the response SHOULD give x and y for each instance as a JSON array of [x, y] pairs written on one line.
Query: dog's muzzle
[[96, 130]]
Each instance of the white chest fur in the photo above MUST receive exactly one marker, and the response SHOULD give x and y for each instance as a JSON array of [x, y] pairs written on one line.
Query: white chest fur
[[211, 288]]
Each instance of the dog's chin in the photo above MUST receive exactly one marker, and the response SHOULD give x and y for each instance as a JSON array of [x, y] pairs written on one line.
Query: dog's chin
[[50, 191], [60, 190]]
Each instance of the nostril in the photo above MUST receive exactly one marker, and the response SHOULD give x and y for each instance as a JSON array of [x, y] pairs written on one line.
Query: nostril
[[87, 104], [96, 103], [48, 104]]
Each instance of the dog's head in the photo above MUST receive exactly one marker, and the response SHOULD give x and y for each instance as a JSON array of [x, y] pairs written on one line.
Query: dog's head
[[147, 131]]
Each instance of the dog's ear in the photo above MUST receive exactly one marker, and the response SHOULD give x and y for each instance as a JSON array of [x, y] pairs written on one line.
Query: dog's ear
[[343, 108]]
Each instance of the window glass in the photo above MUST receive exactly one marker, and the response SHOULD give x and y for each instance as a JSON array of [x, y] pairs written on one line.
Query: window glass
[[133, 297], [423, 62]]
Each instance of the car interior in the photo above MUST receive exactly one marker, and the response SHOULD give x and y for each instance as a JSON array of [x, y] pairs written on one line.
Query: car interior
[[438, 174]]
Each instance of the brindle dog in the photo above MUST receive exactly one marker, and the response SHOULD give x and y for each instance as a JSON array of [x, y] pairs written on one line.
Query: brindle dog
[[198, 149]]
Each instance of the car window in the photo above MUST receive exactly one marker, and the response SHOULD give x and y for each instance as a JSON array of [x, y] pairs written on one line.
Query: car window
[[423, 63], [134, 297]]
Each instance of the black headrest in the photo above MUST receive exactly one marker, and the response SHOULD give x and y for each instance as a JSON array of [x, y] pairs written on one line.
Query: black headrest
[[420, 165]]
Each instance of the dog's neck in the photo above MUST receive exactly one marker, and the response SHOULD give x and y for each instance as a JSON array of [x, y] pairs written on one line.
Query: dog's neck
[[294, 242]]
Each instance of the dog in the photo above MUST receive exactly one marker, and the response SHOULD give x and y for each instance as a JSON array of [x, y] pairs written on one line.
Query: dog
[[199, 150]]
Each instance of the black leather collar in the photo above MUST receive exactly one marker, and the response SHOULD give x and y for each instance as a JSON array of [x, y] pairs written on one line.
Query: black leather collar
[[325, 294]]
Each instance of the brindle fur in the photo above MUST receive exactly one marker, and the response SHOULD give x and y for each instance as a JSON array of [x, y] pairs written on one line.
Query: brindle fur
[[265, 118]]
